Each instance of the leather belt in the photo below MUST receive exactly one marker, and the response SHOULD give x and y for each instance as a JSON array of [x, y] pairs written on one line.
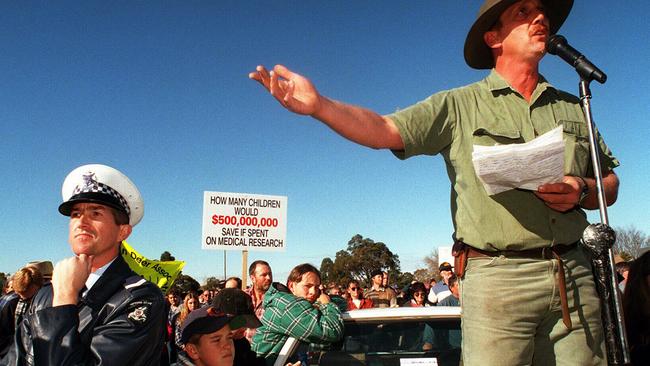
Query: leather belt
[[537, 253], [553, 252]]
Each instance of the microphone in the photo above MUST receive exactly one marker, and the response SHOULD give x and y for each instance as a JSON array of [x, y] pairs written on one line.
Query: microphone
[[558, 45]]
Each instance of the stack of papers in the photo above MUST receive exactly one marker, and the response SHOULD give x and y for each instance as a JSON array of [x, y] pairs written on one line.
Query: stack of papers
[[527, 165]]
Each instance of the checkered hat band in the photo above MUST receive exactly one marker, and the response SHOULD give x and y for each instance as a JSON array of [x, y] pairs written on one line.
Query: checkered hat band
[[101, 188]]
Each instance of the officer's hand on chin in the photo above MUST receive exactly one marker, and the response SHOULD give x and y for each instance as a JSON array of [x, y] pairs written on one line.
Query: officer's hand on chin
[[69, 277]]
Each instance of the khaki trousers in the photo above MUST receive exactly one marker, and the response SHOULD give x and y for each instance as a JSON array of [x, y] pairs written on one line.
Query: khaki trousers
[[512, 314]]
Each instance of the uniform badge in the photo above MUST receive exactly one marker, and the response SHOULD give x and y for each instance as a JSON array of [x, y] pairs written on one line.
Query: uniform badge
[[89, 184], [139, 314]]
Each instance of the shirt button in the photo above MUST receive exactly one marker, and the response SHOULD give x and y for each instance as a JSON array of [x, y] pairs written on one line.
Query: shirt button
[[553, 220]]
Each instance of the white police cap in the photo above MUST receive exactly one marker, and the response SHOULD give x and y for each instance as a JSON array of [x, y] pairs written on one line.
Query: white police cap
[[105, 185]]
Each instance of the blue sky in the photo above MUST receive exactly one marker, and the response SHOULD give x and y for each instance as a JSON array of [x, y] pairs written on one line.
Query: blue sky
[[159, 90]]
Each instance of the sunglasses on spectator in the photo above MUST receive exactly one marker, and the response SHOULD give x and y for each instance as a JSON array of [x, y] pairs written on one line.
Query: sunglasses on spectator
[[353, 288]]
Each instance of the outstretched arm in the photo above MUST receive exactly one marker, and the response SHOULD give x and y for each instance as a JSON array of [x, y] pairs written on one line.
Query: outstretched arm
[[297, 94]]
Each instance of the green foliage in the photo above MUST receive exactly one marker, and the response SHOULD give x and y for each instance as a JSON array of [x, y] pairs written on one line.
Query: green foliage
[[430, 269], [405, 279], [211, 283], [3, 280], [423, 275], [167, 257], [185, 284], [341, 270], [367, 255], [326, 269], [362, 256]]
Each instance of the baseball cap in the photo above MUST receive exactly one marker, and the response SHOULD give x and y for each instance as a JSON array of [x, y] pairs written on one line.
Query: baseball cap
[[204, 320], [238, 304], [445, 266]]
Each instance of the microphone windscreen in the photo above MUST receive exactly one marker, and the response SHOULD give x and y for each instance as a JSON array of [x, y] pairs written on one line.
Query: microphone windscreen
[[553, 42]]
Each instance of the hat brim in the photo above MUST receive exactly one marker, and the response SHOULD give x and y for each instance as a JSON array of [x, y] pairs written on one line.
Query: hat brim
[[44, 267], [109, 177], [204, 326], [90, 197], [245, 321], [479, 56]]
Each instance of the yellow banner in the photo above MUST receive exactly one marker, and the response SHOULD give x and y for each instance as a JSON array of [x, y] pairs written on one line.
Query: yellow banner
[[162, 274]]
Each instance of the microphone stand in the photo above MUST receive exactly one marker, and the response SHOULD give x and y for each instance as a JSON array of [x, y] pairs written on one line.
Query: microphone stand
[[599, 239]]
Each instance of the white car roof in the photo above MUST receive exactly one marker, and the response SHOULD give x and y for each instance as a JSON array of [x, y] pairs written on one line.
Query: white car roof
[[387, 314], [429, 312]]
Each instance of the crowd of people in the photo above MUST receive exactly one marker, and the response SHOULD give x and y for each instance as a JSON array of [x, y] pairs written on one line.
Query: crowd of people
[[92, 309], [235, 326], [379, 294], [96, 310]]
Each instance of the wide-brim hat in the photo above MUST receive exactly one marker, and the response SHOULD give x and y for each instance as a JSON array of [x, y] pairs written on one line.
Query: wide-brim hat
[[45, 268], [239, 304], [104, 185], [478, 55]]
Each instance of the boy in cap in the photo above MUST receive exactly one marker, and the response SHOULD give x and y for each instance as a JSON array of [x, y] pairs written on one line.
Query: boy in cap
[[206, 334], [525, 238], [239, 304], [96, 310]]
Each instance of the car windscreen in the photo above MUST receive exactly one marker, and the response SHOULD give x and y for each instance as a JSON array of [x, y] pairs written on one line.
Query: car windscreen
[[433, 342]]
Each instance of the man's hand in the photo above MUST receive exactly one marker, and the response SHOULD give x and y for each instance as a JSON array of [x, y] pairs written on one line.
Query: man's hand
[[69, 277], [293, 91], [297, 94], [562, 196], [323, 298]]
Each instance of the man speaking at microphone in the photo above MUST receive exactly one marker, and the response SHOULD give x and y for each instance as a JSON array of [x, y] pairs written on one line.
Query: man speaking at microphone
[[96, 311], [527, 291]]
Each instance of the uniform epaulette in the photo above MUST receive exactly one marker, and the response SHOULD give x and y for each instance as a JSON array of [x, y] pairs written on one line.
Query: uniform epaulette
[[134, 282]]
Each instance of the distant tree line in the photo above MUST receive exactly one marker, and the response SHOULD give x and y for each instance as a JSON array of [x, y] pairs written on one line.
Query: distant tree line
[[363, 255], [630, 242]]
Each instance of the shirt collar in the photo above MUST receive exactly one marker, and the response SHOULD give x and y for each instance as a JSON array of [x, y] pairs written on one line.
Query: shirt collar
[[94, 276], [496, 82]]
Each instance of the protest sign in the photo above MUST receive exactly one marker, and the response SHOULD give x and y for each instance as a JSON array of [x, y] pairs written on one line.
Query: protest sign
[[240, 221], [161, 273]]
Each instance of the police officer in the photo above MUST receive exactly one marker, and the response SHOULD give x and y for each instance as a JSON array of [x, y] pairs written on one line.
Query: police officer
[[96, 310]]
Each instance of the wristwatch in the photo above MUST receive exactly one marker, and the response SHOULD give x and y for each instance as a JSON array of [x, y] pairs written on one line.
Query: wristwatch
[[585, 190]]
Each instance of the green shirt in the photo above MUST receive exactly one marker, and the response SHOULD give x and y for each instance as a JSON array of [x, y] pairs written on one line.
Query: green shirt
[[490, 112], [286, 315]]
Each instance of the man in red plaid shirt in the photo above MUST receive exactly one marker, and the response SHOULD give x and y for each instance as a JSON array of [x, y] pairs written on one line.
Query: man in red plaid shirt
[[261, 278]]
